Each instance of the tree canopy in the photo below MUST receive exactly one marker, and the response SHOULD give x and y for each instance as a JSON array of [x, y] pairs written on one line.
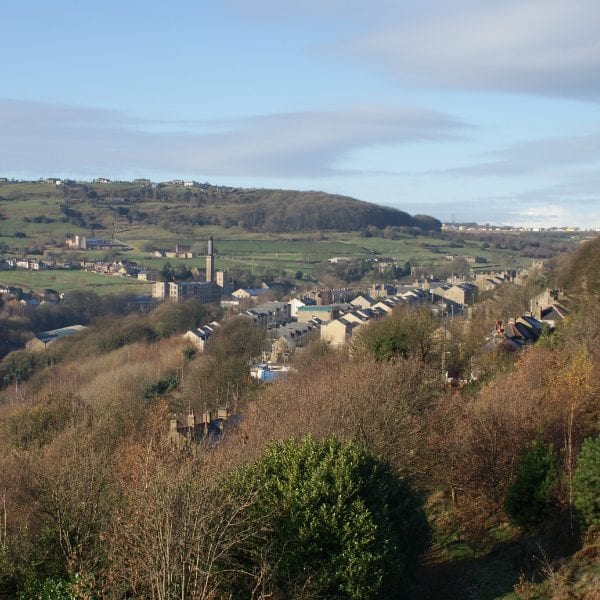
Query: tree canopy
[[343, 525]]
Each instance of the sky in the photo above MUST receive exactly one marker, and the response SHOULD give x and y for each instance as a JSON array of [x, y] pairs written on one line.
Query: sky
[[464, 110]]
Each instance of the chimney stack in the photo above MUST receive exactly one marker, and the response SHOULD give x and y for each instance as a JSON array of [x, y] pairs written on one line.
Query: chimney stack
[[206, 421], [191, 420], [210, 261]]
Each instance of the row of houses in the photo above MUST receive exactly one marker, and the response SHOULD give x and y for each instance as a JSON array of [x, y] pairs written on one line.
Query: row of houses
[[519, 332], [11, 294], [188, 183], [24, 263], [180, 251], [200, 336], [291, 324], [125, 268], [82, 242]]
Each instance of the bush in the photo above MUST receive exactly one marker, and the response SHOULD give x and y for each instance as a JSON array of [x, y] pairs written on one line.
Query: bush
[[160, 386], [405, 332], [17, 366], [53, 588], [528, 499], [586, 482], [343, 525]]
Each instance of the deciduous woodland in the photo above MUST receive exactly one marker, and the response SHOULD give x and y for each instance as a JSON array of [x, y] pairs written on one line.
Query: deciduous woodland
[[362, 475]]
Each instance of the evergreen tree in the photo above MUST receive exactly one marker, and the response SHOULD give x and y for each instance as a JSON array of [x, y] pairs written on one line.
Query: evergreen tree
[[343, 525], [528, 499], [586, 482]]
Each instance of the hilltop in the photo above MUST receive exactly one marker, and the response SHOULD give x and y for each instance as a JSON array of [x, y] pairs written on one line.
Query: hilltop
[[99, 205]]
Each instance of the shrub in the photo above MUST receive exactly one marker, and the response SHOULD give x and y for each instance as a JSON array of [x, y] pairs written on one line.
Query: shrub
[[586, 482], [407, 331], [529, 497], [343, 525], [53, 588], [160, 386]]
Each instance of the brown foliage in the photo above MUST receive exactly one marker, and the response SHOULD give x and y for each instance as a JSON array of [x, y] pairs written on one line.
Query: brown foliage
[[176, 528], [480, 441], [379, 405], [56, 488]]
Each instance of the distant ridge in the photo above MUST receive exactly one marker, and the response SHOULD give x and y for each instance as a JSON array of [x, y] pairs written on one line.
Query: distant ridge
[[265, 210]]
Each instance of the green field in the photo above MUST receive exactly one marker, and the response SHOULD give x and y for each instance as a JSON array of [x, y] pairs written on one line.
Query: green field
[[65, 281]]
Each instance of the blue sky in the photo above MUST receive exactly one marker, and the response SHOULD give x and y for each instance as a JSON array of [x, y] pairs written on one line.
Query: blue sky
[[485, 111]]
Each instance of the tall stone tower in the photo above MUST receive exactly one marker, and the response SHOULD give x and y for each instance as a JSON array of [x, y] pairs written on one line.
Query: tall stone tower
[[210, 261]]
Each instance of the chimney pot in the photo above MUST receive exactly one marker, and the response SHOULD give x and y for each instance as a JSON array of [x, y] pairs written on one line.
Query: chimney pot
[[191, 420]]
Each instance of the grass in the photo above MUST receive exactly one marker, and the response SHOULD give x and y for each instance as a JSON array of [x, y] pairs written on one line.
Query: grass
[[66, 281]]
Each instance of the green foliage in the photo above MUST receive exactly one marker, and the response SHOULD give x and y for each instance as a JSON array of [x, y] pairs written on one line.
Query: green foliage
[[52, 588], [343, 525], [189, 352], [529, 497], [160, 386], [388, 345], [352, 270], [17, 366], [586, 482], [256, 210], [407, 331]]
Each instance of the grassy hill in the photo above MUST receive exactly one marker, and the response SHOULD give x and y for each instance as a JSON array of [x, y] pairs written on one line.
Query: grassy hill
[[256, 230], [104, 206]]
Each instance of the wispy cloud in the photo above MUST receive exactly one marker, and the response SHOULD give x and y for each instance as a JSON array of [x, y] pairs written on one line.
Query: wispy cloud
[[572, 198], [537, 156], [547, 47], [58, 138]]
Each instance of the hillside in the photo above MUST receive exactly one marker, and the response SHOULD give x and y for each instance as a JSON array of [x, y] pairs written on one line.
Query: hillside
[[92, 475], [100, 206], [581, 269]]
